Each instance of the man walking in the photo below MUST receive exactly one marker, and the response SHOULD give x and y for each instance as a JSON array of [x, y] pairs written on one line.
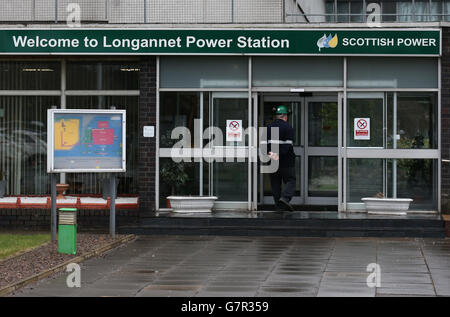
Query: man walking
[[286, 156]]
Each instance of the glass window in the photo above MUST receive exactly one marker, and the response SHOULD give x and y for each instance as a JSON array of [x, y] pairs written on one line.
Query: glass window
[[364, 178], [416, 121], [394, 72], [447, 10], [343, 11], [226, 107], [322, 176], [329, 10], [203, 72], [23, 143], [90, 183], [436, 10], [86, 75], [230, 181], [30, 75], [415, 179], [322, 124], [357, 11], [297, 72], [405, 12], [178, 109], [389, 10], [366, 108], [421, 10], [415, 118]]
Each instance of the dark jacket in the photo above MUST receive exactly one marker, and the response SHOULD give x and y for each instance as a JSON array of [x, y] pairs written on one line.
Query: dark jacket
[[285, 142]]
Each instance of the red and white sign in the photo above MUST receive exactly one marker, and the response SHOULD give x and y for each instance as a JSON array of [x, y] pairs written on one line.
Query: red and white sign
[[361, 130], [234, 130]]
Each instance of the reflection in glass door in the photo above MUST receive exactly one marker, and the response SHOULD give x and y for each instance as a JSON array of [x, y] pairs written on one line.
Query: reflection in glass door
[[315, 120], [229, 177], [295, 107], [321, 150]]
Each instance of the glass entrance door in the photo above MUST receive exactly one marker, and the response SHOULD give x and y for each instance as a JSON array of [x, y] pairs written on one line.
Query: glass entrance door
[[321, 160], [295, 106], [229, 172], [315, 120]]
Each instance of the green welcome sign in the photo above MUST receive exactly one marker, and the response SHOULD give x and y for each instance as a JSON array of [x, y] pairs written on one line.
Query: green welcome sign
[[235, 41]]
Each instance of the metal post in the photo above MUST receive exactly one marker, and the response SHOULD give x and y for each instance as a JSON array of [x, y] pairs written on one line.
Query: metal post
[[53, 210], [394, 143], [112, 191], [200, 145], [63, 103], [112, 217], [53, 216]]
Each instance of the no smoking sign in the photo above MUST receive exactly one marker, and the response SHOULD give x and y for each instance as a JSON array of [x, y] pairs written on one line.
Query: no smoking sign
[[234, 130], [361, 130]]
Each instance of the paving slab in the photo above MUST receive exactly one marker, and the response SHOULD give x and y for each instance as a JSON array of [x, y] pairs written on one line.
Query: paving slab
[[349, 290], [171, 266], [406, 289]]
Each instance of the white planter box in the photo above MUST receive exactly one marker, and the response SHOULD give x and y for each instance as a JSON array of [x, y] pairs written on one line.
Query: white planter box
[[192, 204], [387, 206]]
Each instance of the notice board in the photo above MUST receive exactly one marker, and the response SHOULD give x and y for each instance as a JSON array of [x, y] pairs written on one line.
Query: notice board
[[82, 141]]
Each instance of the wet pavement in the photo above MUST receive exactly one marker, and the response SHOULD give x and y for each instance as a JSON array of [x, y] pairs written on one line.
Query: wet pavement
[[218, 266]]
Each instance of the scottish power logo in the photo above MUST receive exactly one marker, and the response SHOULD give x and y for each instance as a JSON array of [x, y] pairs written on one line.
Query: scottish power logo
[[327, 41]]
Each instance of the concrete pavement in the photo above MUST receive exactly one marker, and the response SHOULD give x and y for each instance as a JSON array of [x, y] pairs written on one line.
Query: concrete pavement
[[220, 266]]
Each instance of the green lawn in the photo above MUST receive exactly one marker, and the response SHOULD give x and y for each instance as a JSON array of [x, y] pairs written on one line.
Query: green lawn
[[11, 244]]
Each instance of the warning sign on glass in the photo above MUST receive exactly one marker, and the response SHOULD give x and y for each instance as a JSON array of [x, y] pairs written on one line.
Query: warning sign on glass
[[234, 130], [361, 130]]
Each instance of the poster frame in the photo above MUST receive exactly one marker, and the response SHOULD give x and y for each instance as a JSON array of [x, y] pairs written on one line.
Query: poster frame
[[50, 140]]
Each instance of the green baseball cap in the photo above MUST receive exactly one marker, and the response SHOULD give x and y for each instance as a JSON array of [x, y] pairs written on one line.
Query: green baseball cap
[[281, 110]]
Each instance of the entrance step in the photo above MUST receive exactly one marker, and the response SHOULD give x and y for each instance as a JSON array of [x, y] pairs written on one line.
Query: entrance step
[[301, 224]]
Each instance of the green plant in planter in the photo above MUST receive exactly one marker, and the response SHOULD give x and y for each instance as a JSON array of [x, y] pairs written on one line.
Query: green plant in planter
[[174, 174], [170, 172], [166, 140]]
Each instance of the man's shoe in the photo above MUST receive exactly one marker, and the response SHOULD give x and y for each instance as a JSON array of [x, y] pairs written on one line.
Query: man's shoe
[[286, 204]]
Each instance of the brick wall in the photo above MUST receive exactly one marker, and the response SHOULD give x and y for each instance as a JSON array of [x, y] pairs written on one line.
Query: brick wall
[[445, 119], [99, 219], [147, 146]]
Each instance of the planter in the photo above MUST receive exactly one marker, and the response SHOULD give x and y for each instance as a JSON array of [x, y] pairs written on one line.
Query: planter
[[2, 188], [387, 206], [192, 204], [60, 189]]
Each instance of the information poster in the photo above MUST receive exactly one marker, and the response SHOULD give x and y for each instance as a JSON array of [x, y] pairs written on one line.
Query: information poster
[[86, 140]]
